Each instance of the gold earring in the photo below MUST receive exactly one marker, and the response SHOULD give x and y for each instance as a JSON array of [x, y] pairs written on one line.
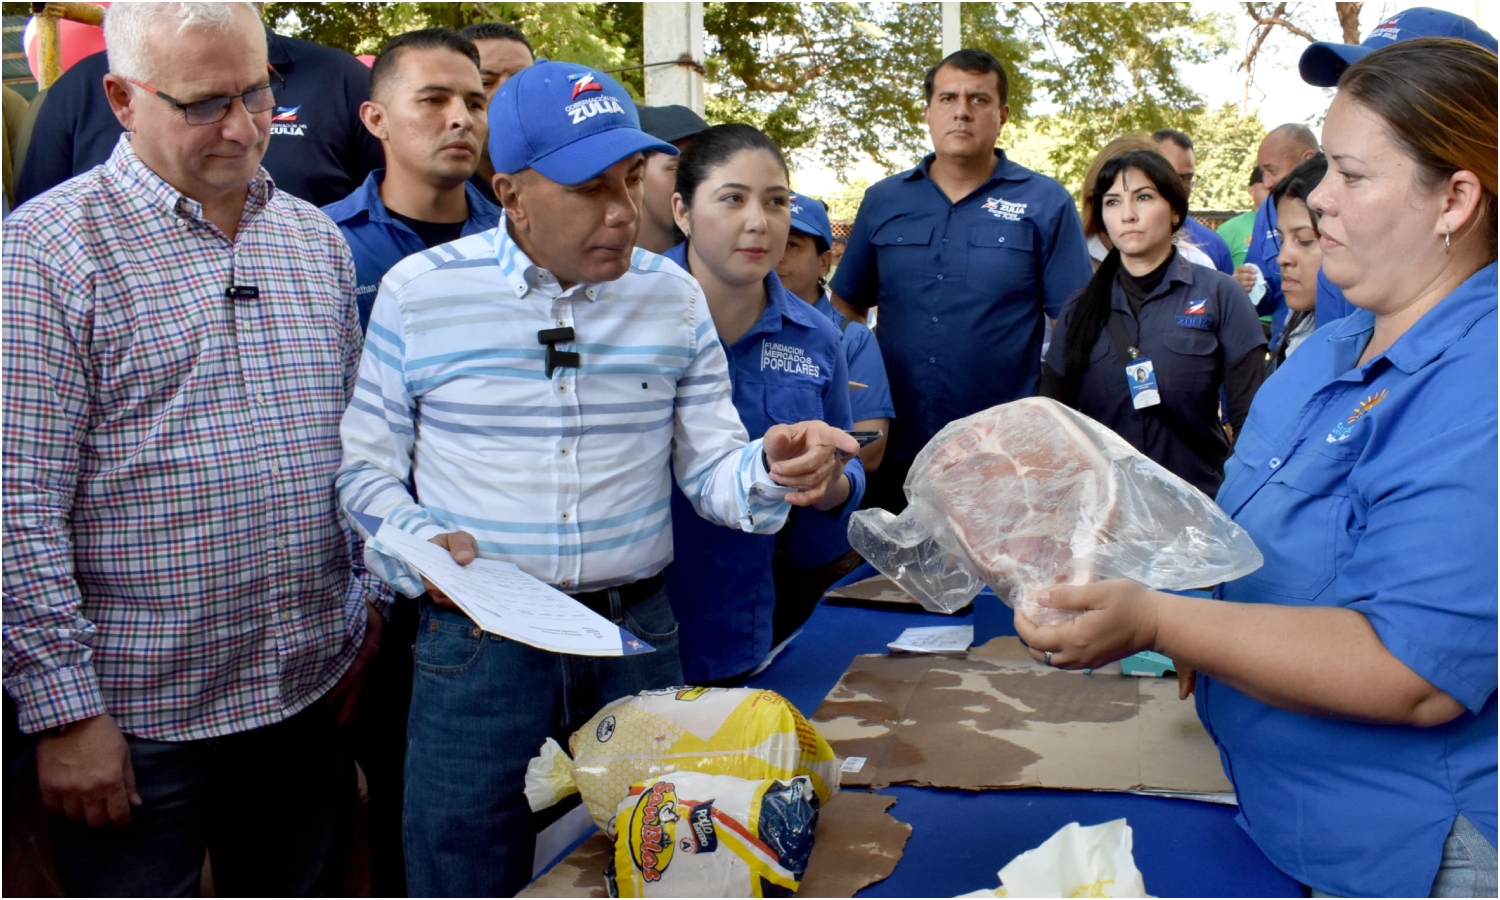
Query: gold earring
[[1448, 241]]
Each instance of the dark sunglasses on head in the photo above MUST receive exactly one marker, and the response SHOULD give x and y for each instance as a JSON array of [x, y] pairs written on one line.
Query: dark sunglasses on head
[[213, 109]]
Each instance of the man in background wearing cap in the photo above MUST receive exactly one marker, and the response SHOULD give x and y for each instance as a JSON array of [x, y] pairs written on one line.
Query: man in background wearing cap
[[1323, 63], [813, 551], [555, 372], [675, 125]]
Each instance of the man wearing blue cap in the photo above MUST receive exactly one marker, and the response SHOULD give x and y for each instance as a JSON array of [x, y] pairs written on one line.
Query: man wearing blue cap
[[521, 396], [1323, 63]]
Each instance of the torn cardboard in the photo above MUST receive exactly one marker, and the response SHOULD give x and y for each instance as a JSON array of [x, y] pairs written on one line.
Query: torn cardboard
[[858, 844], [999, 719], [879, 589]]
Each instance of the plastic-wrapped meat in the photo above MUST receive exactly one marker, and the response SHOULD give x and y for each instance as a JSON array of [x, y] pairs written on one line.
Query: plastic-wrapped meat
[[1032, 493], [1031, 467]]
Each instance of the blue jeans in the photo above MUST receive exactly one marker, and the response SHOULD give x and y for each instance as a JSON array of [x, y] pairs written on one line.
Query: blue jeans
[[481, 707], [273, 808]]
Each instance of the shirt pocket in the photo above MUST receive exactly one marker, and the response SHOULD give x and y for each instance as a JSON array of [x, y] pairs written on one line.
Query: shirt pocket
[[1000, 257], [787, 405], [901, 246], [1192, 359], [1312, 493]]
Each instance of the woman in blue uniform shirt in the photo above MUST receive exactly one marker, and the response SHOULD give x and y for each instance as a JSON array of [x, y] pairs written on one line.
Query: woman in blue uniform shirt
[[1350, 682], [1147, 306], [786, 366]]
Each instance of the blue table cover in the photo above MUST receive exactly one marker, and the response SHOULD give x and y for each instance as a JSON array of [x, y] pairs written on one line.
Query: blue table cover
[[960, 839]]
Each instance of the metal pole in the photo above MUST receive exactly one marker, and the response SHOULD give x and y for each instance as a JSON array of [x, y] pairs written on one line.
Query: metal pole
[[674, 31], [48, 34]]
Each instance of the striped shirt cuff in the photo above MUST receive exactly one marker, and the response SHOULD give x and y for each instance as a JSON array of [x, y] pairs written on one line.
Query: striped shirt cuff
[[64, 695]]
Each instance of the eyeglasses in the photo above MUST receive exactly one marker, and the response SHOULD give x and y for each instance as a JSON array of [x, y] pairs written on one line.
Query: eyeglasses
[[213, 109]]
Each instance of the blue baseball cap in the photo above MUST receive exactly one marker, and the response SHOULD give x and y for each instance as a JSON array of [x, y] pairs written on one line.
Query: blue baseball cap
[[1323, 63], [567, 121], [809, 217]]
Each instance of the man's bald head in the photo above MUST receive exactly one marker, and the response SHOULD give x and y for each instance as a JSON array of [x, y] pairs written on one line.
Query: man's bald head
[[1281, 150]]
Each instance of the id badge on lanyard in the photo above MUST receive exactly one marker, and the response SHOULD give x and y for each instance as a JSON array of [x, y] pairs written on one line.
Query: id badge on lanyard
[[1140, 375]]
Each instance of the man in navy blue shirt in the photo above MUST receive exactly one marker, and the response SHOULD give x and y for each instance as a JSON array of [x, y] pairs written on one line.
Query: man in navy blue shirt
[[427, 108], [318, 150], [430, 120], [967, 255], [1178, 149]]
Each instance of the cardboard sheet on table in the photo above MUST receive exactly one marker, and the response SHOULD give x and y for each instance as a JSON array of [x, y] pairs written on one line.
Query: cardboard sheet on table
[[877, 589], [858, 844], [999, 719]]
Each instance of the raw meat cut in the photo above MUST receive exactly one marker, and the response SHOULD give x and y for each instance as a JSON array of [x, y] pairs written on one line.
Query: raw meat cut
[[1032, 493]]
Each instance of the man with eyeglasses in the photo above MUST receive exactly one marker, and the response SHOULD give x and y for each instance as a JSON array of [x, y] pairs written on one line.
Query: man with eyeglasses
[[186, 616], [1178, 149], [319, 150]]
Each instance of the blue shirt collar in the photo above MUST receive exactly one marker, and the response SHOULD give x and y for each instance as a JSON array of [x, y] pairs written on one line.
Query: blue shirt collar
[[781, 306], [1004, 171], [366, 199], [1432, 334]]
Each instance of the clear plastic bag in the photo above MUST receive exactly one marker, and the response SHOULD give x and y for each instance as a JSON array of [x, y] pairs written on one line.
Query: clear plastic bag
[[1030, 494]]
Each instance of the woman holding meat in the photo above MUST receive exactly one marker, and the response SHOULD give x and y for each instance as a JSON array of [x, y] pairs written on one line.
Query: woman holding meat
[[1149, 342], [1350, 683], [786, 365]]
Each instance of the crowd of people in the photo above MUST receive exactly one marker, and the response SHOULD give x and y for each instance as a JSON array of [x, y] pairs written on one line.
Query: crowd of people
[[259, 297]]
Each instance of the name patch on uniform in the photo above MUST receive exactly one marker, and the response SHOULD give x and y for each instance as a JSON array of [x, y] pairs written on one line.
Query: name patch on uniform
[[788, 359], [1005, 209]]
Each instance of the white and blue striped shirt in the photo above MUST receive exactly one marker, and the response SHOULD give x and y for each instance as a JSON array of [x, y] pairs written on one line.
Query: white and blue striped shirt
[[456, 426]]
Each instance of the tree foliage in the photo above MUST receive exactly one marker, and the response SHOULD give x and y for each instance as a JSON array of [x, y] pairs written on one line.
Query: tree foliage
[[842, 81]]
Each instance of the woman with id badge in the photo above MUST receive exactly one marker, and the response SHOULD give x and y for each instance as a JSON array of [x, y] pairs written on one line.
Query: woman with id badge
[[1147, 345]]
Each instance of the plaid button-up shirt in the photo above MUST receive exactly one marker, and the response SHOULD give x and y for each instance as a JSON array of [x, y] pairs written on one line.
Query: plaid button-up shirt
[[174, 555]]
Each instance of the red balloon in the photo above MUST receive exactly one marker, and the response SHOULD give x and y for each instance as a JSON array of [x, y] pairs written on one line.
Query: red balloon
[[367, 58], [78, 40]]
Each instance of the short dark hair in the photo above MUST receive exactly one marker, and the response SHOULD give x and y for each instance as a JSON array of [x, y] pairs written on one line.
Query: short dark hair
[[716, 146], [1257, 176], [973, 61], [384, 66], [1173, 135], [496, 31]]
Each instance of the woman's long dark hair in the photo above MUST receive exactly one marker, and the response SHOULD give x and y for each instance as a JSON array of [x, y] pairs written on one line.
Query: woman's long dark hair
[[1091, 307]]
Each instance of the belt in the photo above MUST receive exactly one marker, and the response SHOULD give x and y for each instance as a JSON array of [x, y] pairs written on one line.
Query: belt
[[630, 594]]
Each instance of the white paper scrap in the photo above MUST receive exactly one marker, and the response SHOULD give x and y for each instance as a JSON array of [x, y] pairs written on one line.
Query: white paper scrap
[[938, 639], [503, 600]]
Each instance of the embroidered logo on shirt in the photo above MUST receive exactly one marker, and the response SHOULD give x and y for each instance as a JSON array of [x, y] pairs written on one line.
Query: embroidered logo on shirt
[[1005, 209], [285, 122], [1342, 430], [788, 359], [1196, 316]]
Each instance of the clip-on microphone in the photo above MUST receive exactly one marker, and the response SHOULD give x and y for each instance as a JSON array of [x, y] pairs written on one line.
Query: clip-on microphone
[[558, 359]]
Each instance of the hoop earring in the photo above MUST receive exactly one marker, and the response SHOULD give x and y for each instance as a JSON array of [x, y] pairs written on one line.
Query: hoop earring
[[1448, 241]]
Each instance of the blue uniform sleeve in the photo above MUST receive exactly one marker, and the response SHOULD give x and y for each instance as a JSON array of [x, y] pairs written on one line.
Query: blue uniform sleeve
[[1065, 259], [866, 366], [857, 279], [1332, 304], [1262, 254], [1425, 565]]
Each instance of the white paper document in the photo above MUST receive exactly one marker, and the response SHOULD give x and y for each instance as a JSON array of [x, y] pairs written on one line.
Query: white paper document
[[503, 600], [940, 639]]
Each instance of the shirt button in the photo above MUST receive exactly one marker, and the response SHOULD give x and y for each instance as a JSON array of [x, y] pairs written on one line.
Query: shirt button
[[275, 467], [282, 542], [900, 239], [565, 451], [1276, 462], [934, 320], [566, 582], [562, 388], [1002, 240], [565, 517], [561, 323], [945, 240], [940, 278], [932, 359]]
